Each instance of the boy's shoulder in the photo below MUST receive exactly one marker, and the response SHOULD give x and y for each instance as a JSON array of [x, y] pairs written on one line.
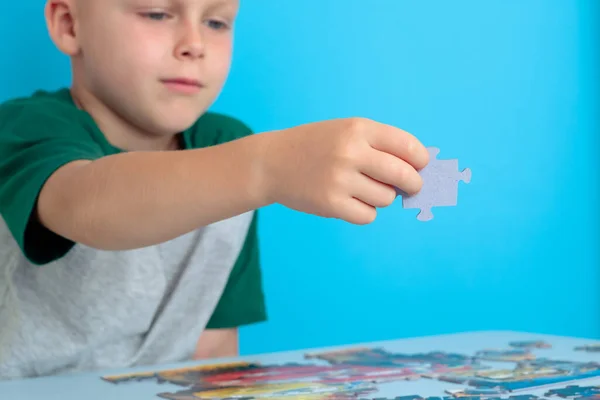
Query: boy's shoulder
[[40, 102], [53, 113], [46, 116]]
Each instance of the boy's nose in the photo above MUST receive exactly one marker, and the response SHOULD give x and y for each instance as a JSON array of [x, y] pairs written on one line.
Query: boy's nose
[[190, 46]]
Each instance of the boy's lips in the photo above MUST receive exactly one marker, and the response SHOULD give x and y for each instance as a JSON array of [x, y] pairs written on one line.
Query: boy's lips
[[183, 85]]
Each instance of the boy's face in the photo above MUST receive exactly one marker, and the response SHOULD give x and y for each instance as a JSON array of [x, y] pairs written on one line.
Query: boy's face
[[159, 64]]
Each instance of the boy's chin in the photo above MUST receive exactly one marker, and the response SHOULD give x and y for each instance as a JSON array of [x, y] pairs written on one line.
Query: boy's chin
[[175, 124]]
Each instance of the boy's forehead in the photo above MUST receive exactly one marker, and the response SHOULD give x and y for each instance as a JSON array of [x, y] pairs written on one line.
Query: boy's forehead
[[157, 3]]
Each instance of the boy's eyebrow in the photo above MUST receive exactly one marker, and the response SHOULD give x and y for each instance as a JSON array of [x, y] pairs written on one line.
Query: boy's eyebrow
[[223, 3], [226, 6], [208, 3]]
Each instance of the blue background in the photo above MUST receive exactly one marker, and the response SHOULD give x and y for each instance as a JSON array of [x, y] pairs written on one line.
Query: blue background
[[510, 88]]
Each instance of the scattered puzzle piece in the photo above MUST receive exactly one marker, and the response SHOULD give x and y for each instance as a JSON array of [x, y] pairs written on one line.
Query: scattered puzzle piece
[[440, 185], [531, 344], [590, 348], [576, 392]]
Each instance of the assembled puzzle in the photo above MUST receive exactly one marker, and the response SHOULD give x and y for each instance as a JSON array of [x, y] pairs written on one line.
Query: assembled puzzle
[[504, 370]]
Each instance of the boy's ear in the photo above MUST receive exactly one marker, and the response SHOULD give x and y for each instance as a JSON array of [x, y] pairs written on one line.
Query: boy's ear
[[62, 25]]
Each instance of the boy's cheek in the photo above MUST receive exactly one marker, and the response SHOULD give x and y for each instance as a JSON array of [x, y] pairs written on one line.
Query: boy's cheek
[[219, 61]]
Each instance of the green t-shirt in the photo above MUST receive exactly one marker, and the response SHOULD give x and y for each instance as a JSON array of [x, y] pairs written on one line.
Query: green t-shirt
[[42, 132]]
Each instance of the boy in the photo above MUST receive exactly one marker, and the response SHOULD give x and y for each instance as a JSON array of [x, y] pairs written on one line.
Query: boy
[[129, 233]]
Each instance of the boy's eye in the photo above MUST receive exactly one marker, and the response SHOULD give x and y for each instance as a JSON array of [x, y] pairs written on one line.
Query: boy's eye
[[156, 16], [216, 24]]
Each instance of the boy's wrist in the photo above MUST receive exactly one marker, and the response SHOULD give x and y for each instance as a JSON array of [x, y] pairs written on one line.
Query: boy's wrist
[[262, 175]]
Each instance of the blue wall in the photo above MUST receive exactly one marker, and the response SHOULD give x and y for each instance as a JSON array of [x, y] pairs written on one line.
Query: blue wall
[[510, 88]]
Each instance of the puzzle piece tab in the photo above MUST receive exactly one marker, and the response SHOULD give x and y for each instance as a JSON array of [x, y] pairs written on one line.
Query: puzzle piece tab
[[440, 185]]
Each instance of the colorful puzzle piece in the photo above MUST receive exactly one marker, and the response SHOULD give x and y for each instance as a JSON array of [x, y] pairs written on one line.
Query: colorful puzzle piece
[[440, 185], [527, 375], [377, 357], [590, 348], [576, 392], [531, 344], [505, 355]]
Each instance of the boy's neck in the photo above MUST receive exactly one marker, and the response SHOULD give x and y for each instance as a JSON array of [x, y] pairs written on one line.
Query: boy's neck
[[119, 132]]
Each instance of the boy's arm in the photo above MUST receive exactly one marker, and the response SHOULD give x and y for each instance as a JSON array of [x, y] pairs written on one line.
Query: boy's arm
[[217, 343], [137, 199], [339, 169]]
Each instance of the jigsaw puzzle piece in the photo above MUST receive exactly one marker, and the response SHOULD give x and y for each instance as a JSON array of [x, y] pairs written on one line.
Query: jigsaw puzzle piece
[[425, 214], [440, 185]]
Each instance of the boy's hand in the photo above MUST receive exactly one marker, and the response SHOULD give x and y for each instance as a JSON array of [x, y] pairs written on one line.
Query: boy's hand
[[342, 168]]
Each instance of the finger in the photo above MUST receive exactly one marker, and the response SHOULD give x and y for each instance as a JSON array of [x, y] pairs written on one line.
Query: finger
[[393, 171], [399, 143], [357, 212], [372, 192]]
